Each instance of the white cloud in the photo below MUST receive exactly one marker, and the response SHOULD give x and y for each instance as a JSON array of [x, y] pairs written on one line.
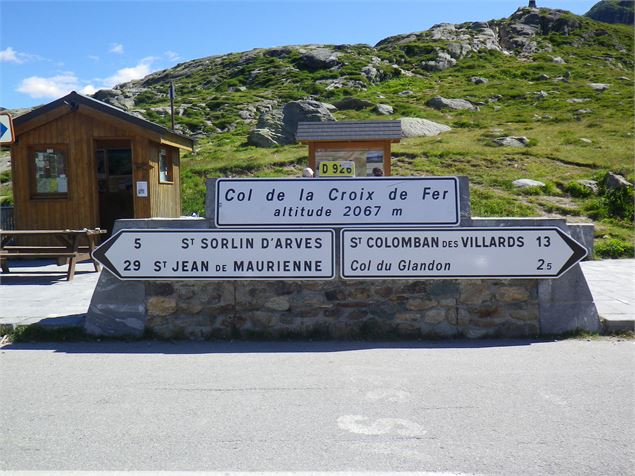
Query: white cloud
[[65, 82], [88, 89], [172, 56], [52, 87], [143, 68], [94, 58], [116, 48], [9, 55]]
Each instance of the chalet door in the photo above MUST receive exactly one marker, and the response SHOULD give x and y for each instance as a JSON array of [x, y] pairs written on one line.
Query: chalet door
[[114, 182]]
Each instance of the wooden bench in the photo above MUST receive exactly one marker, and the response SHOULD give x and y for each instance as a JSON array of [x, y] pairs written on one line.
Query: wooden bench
[[69, 251]]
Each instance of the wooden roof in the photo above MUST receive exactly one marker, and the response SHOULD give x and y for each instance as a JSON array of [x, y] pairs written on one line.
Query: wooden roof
[[349, 131], [74, 100]]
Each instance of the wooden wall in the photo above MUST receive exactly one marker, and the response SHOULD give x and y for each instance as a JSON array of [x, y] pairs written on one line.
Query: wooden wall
[[79, 130], [166, 197]]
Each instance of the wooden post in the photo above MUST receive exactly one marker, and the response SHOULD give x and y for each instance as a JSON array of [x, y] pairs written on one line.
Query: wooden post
[[312, 164], [387, 160]]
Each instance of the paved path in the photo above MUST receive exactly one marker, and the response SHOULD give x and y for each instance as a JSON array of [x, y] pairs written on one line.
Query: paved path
[[612, 284], [486, 407], [33, 292], [37, 291]]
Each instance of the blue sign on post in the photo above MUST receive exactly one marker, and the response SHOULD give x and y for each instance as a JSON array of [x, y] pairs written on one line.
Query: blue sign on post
[[6, 128]]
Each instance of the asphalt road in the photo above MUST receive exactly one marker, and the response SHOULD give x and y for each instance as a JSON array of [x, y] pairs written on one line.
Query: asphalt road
[[485, 407]]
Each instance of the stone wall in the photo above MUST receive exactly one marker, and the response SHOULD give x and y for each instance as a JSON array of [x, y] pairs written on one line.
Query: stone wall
[[342, 309]]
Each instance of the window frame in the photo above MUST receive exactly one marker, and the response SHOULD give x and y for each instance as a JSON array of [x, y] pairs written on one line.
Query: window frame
[[170, 165], [35, 195]]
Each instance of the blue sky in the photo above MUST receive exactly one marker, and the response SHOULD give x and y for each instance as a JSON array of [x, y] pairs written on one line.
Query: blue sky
[[49, 48]]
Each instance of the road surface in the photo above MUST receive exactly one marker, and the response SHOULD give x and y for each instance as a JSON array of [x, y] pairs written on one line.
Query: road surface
[[484, 407]]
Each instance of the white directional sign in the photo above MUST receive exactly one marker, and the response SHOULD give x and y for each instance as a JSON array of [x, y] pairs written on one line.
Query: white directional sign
[[404, 201], [219, 254], [457, 253], [6, 128]]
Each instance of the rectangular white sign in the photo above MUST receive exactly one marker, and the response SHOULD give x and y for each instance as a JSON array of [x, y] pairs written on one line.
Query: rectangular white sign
[[403, 201], [541, 252], [219, 254]]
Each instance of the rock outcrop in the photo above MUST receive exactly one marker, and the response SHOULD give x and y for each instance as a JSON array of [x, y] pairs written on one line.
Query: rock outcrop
[[613, 11], [279, 126]]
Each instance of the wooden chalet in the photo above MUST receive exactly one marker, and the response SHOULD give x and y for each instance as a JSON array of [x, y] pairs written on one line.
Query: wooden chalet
[[80, 163], [367, 143]]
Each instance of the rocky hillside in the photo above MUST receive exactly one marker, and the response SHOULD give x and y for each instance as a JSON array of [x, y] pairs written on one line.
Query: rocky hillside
[[543, 97], [613, 11]]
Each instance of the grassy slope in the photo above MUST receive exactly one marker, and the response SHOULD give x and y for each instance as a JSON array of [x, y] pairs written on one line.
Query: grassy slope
[[556, 156]]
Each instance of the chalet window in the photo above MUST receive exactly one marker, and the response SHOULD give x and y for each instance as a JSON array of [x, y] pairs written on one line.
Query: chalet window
[[49, 176], [165, 166]]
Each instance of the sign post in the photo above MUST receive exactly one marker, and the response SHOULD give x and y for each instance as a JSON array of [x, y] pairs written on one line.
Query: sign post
[[462, 253], [7, 135], [219, 254], [333, 202]]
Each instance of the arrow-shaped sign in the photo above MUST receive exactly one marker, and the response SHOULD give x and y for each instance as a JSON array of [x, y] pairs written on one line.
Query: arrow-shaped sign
[[219, 254], [463, 253], [6, 128]]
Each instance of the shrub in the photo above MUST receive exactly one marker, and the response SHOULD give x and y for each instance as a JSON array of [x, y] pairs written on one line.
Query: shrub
[[614, 248], [619, 203], [576, 189]]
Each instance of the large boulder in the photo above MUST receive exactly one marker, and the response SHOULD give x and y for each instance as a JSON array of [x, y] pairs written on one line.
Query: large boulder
[[318, 58], [512, 141], [416, 127], [614, 181], [440, 103], [352, 104], [527, 183], [279, 126]]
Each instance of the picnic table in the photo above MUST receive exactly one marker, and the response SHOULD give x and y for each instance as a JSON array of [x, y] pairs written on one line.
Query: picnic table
[[69, 250]]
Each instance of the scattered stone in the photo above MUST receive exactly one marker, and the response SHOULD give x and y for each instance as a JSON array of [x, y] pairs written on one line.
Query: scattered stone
[[558, 60], [416, 127], [512, 141], [479, 80], [614, 181], [543, 77], [541, 95], [440, 103], [371, 73], [590, 185], [623, 78], [406, 93], [577, 100], [584, 111], [353, 104], [525, 183], [599, 86], [384, 109], [586, 141]]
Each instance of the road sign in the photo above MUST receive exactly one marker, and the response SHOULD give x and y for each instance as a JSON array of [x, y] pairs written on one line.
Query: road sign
[[6, 129], [336, 168], [464, 253], [403, 201], [219, 254]]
